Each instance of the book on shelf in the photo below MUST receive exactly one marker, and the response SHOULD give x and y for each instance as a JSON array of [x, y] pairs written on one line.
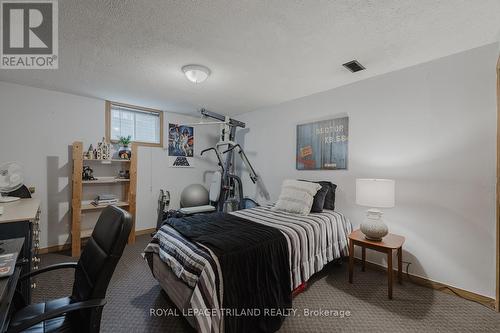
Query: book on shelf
[[104, 202], [106, 197]]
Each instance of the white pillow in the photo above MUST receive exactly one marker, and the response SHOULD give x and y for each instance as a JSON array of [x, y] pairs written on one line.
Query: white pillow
[[296, 196]]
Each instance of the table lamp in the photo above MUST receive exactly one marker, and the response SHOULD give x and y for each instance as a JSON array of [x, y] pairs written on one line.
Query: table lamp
[[374, 193]]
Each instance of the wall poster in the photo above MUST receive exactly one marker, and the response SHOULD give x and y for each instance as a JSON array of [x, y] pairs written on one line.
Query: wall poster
[[322, 145], [180, 146]]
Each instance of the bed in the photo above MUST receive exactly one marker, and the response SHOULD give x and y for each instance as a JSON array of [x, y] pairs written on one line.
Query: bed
[[191, 273]]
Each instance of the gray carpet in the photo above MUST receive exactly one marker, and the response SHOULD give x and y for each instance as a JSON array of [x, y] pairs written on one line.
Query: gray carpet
[[133, 291]]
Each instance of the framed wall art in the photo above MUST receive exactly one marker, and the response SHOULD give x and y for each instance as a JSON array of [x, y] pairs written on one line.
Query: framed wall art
[[180, 146], [322, 145]]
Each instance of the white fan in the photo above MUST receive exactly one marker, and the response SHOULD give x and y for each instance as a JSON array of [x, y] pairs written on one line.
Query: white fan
[[11, 179]]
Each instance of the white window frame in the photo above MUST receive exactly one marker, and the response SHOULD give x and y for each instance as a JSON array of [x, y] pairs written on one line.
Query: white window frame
[[109, 105]]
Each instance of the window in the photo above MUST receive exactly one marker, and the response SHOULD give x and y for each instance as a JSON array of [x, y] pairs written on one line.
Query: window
[[145, 126]]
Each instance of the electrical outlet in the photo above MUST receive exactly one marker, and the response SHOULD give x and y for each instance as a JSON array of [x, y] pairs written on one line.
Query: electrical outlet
[[31, 189]]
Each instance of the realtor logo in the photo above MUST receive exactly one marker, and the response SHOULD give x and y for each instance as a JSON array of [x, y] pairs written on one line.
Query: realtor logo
[[29, 34]]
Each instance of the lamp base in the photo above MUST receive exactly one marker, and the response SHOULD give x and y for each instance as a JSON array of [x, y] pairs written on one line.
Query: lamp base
[[373, 239], [373, 227]]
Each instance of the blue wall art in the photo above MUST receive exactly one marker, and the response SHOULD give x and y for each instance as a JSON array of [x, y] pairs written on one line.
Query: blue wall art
[[322, 145]]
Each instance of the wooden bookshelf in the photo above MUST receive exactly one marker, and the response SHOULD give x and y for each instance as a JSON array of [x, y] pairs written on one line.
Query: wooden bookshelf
[[128, 200]]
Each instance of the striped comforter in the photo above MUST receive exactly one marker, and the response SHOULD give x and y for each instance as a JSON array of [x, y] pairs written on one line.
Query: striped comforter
[[313, 241]]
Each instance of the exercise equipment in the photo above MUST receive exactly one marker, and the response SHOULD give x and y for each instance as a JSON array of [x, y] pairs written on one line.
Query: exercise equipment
[[231, 193], [194, 195], [249, 203], [213, 197], [163, 204]]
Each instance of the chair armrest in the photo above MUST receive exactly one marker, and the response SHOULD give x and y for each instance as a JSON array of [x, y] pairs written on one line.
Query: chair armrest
[[92, 303], [48, 268]]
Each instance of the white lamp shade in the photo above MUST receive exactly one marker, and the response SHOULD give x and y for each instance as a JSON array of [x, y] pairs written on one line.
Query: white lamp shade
[[377, 193]]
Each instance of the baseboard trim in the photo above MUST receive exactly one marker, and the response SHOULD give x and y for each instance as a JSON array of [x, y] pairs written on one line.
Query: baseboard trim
[[67, 246], [145, 231], [54, 248], [469, 295]]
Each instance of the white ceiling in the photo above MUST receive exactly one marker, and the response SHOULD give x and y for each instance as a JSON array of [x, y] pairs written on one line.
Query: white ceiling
[[260, 52]]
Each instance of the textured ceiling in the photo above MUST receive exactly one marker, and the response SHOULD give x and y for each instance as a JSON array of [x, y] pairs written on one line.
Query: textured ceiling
[[260, 52]]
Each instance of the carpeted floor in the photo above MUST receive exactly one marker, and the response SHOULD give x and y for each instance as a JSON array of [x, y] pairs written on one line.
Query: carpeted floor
[[133, 292]]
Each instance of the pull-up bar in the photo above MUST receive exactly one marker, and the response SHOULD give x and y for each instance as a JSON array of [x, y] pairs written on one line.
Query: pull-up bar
[[222, 118]]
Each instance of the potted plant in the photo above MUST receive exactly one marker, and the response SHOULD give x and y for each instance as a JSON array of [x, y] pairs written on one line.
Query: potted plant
[[124, 152]]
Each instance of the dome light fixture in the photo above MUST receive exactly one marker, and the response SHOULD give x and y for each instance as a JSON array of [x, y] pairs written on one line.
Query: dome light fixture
[[196, 73]]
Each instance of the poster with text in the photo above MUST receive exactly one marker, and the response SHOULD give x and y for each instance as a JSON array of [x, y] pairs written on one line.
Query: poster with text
[[322, 145], [180, 146]]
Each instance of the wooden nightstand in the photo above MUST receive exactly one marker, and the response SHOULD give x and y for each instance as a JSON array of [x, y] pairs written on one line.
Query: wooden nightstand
[[388, 244]]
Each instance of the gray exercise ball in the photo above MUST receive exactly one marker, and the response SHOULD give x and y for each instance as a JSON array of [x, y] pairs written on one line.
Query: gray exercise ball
[[194, 195]]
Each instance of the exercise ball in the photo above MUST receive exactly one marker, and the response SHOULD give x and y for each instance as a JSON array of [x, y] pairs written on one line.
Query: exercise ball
[[194, 195]]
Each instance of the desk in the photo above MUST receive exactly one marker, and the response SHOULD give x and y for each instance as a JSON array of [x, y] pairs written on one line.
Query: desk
[[8, 284], [20, 210], [20, 219]]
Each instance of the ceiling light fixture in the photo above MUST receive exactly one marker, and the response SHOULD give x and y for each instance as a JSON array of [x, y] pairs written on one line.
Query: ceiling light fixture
[[196, 73]]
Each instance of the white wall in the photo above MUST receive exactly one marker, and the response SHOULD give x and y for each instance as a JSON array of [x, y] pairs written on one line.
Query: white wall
[[37, 128], [154, 173], [432, 128]]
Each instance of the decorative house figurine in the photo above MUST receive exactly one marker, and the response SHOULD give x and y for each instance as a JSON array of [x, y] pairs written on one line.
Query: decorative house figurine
[[99, 151], [90, 152], [106, 149], [103, 150]]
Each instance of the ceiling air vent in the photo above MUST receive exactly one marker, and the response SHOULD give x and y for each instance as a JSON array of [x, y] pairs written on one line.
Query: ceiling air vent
[[353, 66]]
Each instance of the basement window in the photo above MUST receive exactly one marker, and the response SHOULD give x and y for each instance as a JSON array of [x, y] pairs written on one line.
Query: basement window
[[144, 125]]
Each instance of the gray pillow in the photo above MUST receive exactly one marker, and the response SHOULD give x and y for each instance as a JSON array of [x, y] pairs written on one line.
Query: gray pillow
[[319, 199], [330, 196]]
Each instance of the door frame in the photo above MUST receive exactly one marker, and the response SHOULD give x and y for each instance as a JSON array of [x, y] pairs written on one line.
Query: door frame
[[497, 299]]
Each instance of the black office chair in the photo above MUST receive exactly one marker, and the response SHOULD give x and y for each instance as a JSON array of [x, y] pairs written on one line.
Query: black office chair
[[81, 312]]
